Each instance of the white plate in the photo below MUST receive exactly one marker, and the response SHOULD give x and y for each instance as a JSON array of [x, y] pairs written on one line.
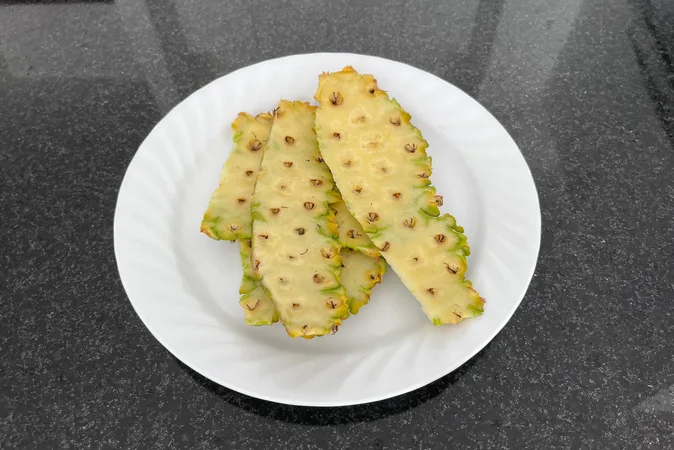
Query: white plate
[[184, 285]]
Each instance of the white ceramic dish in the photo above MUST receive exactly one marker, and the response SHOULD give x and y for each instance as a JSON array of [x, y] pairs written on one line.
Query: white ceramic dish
[[184, 285]]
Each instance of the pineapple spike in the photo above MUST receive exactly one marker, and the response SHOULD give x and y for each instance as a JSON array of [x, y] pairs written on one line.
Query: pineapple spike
[[379, 163], [227, 216], [295, 236]]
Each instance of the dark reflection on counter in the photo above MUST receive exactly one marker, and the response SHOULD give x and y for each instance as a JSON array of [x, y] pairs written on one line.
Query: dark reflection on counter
[[189, 70], [51, 2], [473, 64], [652, 38]]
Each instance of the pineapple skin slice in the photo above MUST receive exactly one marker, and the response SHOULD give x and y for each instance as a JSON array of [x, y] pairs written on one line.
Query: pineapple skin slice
[[379, 163], [351, 234], [255, 301], [360, 274], [227, 216], [295, 237], [258, 308], [362, 264]]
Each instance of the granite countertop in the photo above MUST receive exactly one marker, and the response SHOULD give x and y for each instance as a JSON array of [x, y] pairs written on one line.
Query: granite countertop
[[585, 87]]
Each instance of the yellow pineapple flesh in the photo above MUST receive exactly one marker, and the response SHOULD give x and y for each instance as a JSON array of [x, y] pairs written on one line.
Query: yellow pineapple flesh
[[379, 163], [295, 239]]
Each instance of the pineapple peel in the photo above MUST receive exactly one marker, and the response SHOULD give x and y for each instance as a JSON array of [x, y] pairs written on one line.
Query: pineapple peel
[[379, 163], [258, 309], [360, 274], [227, 216], [295, 245], [351, 234]]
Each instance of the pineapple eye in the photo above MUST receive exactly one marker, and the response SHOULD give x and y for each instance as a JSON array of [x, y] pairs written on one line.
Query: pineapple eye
[[318, 279], [288, 163], [263, 236], [438, 200], [254, 145], [452, 269], [411, 148], [397, 194], [371, 90], [358, 189], [410, 223], [275, 211], [319, 159], [386, 246], [336, 136], [309, 205], [241, 200], [423, 175], [439, 238], [299, 231], [290, 140], [431, 291], [249, 173], [372, 217], [336, 99], [257, 303], [234, 227], [316, 182], [395, 121]]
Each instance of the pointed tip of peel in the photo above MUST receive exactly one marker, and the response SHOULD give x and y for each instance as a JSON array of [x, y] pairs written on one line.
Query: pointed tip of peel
[[264, 116]]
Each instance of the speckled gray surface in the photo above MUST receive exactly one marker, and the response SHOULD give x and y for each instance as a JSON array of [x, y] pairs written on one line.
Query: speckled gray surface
[[584, 87]]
